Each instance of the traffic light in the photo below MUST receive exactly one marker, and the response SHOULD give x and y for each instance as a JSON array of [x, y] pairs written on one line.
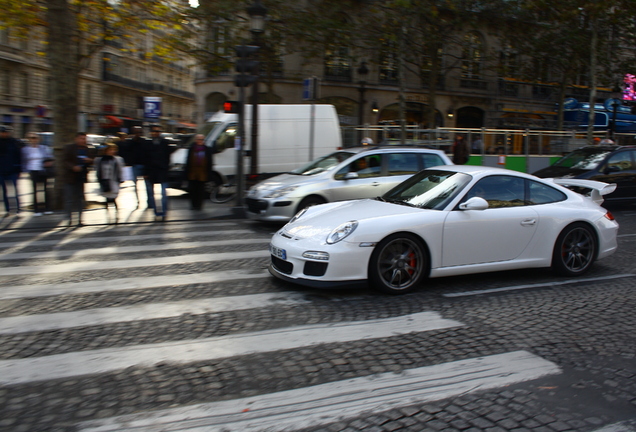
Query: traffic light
[[233, 107], [244, 80], [245, 66]]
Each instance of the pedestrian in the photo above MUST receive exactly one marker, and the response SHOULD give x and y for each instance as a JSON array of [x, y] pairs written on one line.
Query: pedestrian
[[156, 166], [109, 169], [10, 167], [460, 150], [132, 151], [77, 157], [37, 160], [198, 170]]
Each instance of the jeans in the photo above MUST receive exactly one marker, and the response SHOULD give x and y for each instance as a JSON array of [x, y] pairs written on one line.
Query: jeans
[[38, 179], [164, 198], [13, 178], [138, 171]]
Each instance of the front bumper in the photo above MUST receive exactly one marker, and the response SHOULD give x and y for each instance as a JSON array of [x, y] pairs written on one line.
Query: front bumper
[[347, 264], [274, 210]]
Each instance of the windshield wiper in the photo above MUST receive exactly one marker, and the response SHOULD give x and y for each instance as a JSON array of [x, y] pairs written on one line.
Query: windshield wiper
[[394, 201]]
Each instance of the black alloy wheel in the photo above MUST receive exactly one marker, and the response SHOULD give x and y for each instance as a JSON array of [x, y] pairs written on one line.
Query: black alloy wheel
[[398, 264], [575, 250]]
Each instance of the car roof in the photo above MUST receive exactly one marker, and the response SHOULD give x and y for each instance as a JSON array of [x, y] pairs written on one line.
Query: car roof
[[479, 170], [392, 149]]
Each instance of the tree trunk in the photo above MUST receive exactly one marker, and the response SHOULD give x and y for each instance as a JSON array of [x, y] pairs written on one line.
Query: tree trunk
[[63, 56]]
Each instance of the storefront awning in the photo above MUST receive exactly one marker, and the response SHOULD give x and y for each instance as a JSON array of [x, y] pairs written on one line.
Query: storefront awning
[[113, 121]]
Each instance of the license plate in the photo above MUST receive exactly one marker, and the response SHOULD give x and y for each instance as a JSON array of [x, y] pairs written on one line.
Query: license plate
[[278, 252]]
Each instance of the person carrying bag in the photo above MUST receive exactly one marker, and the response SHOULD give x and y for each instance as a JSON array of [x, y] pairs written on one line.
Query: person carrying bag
[[109, 169]]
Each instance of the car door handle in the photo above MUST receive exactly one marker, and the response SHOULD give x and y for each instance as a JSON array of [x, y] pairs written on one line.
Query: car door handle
[[528, 222], [375, 184]]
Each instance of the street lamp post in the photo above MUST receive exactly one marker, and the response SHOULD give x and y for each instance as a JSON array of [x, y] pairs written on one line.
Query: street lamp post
[[362, 73], [257, 13]]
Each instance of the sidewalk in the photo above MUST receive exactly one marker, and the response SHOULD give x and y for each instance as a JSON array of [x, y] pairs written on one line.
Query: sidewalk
[[95, 214]]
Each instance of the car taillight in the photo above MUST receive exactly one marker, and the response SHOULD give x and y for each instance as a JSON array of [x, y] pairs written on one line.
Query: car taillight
[[609, 215]]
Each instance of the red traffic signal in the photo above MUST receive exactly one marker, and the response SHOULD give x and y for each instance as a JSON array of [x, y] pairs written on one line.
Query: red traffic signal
[[232, 107]]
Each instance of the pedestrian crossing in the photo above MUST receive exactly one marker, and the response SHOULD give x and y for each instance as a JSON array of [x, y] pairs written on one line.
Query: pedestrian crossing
[[96, 335]]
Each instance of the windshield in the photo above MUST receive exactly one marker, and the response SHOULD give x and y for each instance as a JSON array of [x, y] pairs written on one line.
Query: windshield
[[323, 164], [429, 189], [583, 159]]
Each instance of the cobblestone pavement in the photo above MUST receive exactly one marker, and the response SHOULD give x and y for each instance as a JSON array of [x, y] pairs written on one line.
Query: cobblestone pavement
[[94, 335]]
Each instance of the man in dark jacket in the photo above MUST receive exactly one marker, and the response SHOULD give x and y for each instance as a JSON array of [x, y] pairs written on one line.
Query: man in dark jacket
[[133, 151], [156, 166], [76, 159], [10, 166]]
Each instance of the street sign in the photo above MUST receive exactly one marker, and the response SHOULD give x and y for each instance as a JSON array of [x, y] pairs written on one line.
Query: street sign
[[152, 107], [311, 87]]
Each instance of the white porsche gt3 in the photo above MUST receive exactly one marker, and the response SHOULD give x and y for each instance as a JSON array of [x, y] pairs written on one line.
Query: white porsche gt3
[[446, 221]]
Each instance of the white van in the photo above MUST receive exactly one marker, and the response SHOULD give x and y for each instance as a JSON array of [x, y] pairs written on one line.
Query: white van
[[283, 140]]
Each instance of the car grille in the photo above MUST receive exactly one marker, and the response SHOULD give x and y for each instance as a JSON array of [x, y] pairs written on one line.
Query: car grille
[[255, 206], [313, 268], [281, 265]]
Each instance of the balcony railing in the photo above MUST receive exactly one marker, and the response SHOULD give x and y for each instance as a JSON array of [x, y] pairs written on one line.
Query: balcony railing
[[474, 84]]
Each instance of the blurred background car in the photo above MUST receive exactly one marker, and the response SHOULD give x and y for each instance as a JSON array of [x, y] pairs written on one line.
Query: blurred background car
[[352, 173], [604, 163]]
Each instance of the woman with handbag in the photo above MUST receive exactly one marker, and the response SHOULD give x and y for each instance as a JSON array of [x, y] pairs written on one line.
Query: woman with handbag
[[110, 173], [37, 160]]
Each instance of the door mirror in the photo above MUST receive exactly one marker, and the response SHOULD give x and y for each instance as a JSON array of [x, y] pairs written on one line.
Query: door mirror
[[474, 203], [351, 175], [612, 169]]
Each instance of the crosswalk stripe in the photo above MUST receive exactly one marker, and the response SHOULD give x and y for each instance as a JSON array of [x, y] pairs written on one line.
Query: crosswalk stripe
[[101, 316], [324, 403], [130, 237], [89, 230], [112, 359], [111, 250], [131, 263], [123, 284]]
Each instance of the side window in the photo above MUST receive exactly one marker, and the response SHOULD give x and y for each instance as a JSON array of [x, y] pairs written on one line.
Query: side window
[[539, 193], [499, 191], [621, 161], [403, 163], [431, 160], [366, 166], [225, 139]]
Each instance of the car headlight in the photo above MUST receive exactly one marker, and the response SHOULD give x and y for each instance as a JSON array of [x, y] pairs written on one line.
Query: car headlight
[[298, 215], [281, 192], [342, 232]]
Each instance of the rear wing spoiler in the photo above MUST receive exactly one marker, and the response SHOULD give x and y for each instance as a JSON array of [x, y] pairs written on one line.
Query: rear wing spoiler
[[594, 189]]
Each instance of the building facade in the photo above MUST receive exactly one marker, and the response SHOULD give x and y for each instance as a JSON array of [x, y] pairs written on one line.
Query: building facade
[[365, 91], [111, 89]]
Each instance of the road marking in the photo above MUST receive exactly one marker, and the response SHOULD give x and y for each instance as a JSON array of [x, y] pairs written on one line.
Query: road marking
[[112, 250], [539, 285], [627, 426], [131, 263], [327, 403], [130, 237], [101, 316], [63, 232], [106, 360], [123, 284]]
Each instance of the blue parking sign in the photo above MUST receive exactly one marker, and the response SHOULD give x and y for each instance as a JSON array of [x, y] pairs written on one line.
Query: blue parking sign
[[152, 107]]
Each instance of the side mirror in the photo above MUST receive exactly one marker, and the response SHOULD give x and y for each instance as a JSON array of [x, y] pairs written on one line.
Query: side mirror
[[351, 175], [612, 169], [475, 203]]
